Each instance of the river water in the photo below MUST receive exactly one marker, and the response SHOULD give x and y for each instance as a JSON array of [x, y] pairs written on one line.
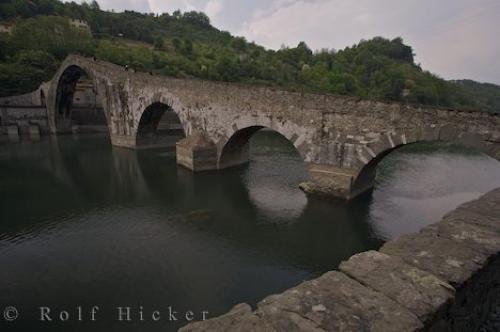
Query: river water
[[85, 225]]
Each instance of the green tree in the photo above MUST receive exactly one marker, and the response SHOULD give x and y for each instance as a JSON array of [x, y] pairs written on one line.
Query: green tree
[[51, 34], [159, 43]]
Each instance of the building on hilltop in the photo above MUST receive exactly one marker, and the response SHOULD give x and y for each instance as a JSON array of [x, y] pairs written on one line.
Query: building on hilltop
[[79, 24], [5, 28]]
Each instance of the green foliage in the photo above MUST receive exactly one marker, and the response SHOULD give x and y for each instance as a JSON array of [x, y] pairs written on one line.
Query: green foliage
[[32, 52], [51, 34], [159, 43], [485, 95], [37, 59], [26, 71], [186, 45]]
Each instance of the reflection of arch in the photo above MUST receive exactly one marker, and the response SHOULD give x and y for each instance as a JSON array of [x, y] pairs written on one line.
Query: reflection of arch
[[365, 176], [76, 103], [89, 166], [159, 126], [235, 151]]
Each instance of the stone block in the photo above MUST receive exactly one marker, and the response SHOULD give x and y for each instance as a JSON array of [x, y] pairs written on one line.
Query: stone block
[[240, 318], [418, 291], [396, 138], [329, 181], [451, 261], [411, 135], [448, 133], [335, 302], [430, 133], [480, 236], [475, 218], [379, 146]]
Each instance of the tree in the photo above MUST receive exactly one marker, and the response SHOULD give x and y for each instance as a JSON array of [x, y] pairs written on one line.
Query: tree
[[197, 18], [94, 6], [159, 43], [227, 69], [51, 34], [187, 50], [239, 44], [37, 59]]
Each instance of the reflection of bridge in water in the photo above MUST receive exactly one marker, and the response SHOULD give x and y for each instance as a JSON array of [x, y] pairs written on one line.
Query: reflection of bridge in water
[[90, 173]]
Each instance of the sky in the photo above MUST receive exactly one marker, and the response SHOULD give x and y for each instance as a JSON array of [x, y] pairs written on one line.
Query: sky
[[453, 38]]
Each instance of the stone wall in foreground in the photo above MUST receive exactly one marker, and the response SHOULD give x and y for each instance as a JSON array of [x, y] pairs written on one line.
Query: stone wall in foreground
[[444, 278]]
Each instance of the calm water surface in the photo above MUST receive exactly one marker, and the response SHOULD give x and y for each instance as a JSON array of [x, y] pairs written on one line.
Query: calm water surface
[[85, 224]]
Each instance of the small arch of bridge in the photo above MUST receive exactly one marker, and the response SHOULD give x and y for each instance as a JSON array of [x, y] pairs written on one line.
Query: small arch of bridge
[[235, 150], [159, 126], [372, 154]]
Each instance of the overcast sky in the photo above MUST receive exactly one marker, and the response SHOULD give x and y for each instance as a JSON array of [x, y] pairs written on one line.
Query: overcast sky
[[452, 38]]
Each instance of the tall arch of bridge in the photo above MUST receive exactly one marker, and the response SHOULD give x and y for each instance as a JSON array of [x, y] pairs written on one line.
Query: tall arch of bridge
[[76, 102]]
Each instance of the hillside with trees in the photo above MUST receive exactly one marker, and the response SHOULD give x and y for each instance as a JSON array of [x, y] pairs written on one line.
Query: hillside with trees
[[187, 45]]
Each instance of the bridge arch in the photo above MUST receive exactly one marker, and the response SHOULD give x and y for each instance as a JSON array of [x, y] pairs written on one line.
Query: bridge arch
[[159, 126], [76, 102], [372, 154], [235, 149]]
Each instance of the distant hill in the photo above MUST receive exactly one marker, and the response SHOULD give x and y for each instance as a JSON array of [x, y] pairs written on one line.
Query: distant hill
[[485, 95], [41, 33]]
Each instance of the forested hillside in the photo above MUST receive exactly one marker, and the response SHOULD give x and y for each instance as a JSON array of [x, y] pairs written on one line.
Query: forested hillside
[[187, 45]]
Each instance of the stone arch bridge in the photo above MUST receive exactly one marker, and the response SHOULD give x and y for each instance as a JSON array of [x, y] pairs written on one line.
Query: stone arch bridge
[[341, 139]]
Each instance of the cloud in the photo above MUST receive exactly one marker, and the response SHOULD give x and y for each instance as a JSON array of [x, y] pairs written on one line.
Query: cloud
[[328, 23], [464, 48], [162, 6], [213, 8], [455, 39]]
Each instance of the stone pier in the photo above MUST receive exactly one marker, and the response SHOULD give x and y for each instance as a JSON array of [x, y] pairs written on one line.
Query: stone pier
[[197, 153], [444, 278], [336, 182]]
